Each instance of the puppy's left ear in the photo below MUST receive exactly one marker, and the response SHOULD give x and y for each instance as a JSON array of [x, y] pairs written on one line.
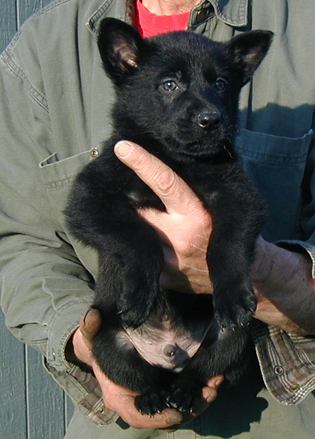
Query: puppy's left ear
[[248, 50], [120, 45]]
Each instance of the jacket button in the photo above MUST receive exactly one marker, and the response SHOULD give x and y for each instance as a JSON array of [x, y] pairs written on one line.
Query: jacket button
[[294, 388], [279, 370], [95, 152]]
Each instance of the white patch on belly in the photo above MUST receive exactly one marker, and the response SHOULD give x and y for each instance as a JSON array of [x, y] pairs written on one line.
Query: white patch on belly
[[164, 346]]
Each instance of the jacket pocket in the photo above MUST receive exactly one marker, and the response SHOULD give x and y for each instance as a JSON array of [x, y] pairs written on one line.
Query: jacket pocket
[[276, 166], [58, 176]]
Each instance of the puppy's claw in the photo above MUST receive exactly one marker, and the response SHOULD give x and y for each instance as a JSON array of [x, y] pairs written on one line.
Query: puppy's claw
[[223, 327]]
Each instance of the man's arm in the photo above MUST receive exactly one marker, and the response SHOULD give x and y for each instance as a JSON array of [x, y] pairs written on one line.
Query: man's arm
[[44, 288], [285, 288]]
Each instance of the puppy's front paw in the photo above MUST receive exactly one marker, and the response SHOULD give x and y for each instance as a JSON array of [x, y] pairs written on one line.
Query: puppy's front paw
[[139, 290], [234, 308]]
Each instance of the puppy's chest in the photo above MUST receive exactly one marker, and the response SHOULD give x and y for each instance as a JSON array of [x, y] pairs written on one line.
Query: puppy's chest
[[139, 195]]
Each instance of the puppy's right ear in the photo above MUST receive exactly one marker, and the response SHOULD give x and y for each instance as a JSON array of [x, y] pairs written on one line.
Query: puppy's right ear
[[119, 45]]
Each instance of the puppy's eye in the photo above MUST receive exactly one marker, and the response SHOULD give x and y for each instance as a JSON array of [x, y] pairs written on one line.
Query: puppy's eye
[[220, 84], [169, 85]]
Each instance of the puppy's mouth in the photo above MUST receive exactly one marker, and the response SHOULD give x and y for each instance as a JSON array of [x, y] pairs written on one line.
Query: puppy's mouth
[[209, 143], [204, 149]]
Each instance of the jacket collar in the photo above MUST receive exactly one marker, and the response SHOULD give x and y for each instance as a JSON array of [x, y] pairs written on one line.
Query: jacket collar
[[109, 8], [231, 12]]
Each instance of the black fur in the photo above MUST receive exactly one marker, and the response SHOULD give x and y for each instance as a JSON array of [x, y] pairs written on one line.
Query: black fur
[[177, 96]]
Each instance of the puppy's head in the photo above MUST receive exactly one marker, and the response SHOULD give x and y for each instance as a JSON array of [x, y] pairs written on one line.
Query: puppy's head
[[177, 93]]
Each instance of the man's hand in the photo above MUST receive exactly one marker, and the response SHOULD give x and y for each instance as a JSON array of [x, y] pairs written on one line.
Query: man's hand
[[186, 226], [122, 400], [282, 279]]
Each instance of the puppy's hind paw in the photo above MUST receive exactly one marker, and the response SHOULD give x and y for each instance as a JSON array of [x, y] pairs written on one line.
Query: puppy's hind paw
[[151, 402], [185, 397]]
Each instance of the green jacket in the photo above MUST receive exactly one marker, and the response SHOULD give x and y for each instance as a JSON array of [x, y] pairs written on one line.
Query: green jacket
[[54, 115]]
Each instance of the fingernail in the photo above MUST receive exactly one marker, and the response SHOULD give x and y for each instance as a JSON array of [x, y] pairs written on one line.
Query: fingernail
[[85, 316], [209, 398], [218, 382], [174, 418], [89, 316], [123, 149]]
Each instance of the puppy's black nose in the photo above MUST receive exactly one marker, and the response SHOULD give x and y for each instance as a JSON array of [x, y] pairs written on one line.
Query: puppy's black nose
[[209, 121]]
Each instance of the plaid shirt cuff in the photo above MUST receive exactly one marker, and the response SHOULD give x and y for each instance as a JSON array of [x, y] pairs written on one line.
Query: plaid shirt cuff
[[287, 363], [92, 404]]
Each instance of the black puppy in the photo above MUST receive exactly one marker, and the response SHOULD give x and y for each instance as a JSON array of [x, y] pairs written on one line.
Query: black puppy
[[177, 96]]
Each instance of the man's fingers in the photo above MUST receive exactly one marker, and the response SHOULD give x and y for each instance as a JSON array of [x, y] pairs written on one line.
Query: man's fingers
[[82, 338], [174, 193], [122, 401], [209, 392], [164, 420]]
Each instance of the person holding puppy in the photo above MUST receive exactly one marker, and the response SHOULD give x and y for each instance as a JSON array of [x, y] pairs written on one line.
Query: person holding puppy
[[54, 102]]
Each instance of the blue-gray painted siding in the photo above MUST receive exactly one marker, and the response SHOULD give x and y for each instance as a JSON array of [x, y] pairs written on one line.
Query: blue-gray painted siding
[[32, 406]]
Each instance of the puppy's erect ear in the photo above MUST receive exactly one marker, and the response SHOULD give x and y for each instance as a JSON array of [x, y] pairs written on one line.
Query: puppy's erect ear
[[119, 45], [248, 50]]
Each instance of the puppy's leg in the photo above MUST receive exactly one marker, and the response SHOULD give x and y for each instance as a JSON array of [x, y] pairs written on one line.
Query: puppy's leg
[[221, 353], [131, 257], [131, 260], [231, 252], [121, 362], [185, 393]]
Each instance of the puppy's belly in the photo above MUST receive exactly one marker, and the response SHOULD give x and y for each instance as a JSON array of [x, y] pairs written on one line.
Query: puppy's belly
[[165, 346]]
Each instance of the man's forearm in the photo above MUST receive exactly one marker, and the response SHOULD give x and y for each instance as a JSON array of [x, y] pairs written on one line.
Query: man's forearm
[[285, 288]]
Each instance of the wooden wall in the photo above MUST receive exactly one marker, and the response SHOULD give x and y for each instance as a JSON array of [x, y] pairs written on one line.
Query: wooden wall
[[32, 406], [13, 13]]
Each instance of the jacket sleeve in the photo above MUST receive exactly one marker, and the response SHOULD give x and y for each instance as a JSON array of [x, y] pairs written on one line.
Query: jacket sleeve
[[45, 289]]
